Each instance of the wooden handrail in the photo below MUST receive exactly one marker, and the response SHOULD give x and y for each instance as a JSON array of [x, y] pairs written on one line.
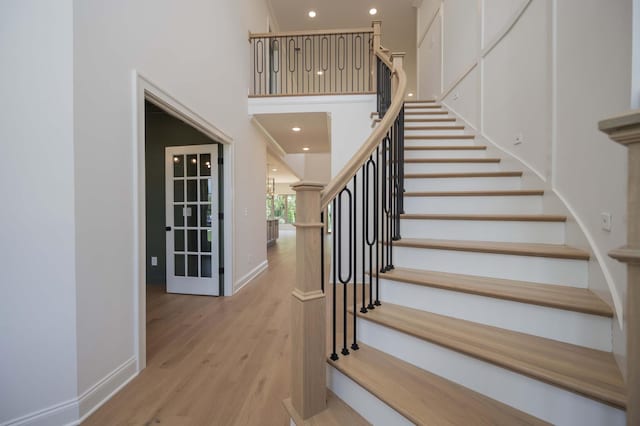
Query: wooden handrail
[[625, 130], [372, 142], [310, 32]]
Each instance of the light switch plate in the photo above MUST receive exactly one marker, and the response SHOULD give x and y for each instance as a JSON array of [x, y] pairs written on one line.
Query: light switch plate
[[605, 221], [154, 261]]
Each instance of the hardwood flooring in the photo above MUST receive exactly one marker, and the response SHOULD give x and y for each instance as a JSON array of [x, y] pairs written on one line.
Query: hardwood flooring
[[214, 361]]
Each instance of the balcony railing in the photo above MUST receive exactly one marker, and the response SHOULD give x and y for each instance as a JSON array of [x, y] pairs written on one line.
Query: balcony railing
[[312, 63]]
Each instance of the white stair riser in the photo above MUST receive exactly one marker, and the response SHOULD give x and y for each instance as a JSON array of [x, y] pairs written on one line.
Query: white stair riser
[[566, 326], [543, 270], [445, 153], [424, 115], [439, 142], [479, 230], [362, 401], [462, 184], [438, 120], [423, 109], [480, 204], [430, 132], [547, 402], [450, 167]]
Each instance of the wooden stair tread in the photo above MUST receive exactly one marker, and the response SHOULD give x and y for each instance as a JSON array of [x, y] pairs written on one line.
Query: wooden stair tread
[[452, 160], [585, 371], [422, 397], [492, 193], [488, 217], [553, 296], [440, 137], [338, 413], [461, 175], [409, 128], [446, 148], [557, 251]]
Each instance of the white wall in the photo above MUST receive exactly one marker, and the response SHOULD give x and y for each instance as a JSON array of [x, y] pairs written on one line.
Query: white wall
[[350, 120], [549, 76], [192, 50], [37, 313]]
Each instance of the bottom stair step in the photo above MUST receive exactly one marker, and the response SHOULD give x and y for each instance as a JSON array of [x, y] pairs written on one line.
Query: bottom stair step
[[423, 397], [588, 372]]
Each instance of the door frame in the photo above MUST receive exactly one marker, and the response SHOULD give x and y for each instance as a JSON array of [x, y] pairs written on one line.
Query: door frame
[[145, 90]]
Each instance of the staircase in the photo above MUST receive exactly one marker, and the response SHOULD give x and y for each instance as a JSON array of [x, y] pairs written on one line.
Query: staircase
[[486, 318]]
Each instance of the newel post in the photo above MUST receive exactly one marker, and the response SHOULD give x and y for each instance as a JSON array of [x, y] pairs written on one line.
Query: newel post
[[397, 59], [308, 314], [375, 46], [625, 129]]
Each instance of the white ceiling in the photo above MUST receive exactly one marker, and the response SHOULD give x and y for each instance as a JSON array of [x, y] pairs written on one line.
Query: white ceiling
[[314, 132], [398, 22]]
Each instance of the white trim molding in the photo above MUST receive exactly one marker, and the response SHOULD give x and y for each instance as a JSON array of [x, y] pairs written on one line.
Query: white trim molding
[[77, 410], [250, 276]]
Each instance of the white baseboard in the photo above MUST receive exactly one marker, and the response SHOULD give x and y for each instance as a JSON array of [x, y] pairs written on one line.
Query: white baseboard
[[59, 414], [250, 276], [76, 410], [94, 397]]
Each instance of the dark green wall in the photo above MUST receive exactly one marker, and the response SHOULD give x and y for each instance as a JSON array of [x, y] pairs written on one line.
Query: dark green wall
[[161, 130]]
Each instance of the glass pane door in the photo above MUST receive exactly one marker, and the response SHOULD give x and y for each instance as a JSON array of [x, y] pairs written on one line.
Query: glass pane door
[[192, 219]]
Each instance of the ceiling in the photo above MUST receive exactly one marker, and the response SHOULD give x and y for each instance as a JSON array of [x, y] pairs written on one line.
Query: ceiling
[[314, 132], [398, 22]]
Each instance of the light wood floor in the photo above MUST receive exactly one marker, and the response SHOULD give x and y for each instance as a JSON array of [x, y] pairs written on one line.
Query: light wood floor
[[214, 361]]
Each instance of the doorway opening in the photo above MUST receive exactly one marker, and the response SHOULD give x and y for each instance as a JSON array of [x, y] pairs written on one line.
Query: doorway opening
[[198, 256]]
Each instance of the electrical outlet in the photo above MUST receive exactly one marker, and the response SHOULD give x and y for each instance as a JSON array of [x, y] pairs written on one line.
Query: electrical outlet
[[519, 139], [605, 220], [456, 96], [246, 211], [154, 261]]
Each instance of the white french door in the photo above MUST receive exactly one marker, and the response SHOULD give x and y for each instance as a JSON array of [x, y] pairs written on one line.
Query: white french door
[[192, 219]]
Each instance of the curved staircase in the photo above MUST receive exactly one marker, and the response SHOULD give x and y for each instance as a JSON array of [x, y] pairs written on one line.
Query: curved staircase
[[486, 318]]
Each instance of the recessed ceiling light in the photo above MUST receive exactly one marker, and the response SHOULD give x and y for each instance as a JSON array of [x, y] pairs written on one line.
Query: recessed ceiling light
[[296, 129], [306, 148], [410, 94], [312, 14], [274, 170], [319, 73], [373, 11]]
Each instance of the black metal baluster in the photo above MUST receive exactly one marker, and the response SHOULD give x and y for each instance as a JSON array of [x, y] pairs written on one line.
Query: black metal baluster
[[354, 345], [334, 355], [376, 229], [365, 233], [322, 252], [345, 281]]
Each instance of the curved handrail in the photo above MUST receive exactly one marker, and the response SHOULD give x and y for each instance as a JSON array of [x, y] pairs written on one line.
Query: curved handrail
[[373, 141]]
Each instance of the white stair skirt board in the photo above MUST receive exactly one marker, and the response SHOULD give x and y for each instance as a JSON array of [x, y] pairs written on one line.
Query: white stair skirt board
[[547, 402], [577, 328], [362, 401], [439, 142], [462, 184], [481, 230], [508, 204], [544, 270], [450, 167], [438, 131], [445, 153]]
